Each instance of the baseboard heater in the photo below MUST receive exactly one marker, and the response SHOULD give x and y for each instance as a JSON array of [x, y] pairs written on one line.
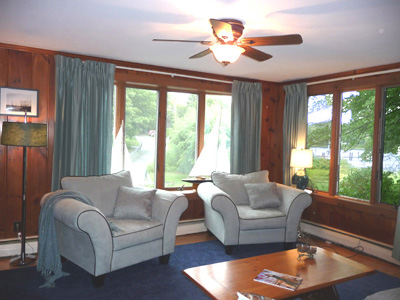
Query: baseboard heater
[[346, 239]]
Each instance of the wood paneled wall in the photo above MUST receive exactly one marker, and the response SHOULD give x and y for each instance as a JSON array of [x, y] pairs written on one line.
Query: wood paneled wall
[[20, 69], [35, 69]]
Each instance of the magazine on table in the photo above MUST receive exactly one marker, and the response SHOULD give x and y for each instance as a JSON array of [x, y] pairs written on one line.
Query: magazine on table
[[279, 279]]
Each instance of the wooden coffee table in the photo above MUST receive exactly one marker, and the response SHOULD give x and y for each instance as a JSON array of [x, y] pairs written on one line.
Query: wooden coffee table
[[320, 274]]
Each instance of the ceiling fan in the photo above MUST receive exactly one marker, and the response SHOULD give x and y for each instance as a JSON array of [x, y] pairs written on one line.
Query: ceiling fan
[[230, 44]]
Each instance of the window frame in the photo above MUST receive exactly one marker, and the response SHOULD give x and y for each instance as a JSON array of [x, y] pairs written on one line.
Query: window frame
[[164, 84], [337, 88]]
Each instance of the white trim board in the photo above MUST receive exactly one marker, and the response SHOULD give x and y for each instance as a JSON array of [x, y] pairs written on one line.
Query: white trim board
[[373, 248], [14, 248]]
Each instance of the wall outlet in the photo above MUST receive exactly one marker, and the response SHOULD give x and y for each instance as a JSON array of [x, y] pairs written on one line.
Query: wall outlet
[[17, 227]]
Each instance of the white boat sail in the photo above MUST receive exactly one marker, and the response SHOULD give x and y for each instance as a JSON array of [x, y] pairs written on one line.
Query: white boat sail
[[214, 156]]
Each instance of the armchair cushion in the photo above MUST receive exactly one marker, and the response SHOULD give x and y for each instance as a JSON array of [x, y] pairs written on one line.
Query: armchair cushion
[[251, 219], [135, 232], [134, 203], [233, 184], [263, 195], [102, 190]]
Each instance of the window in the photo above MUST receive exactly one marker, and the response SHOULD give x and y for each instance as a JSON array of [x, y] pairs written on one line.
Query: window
[[181, 139], [139, 147], [356, 135], [215, 155], [355, 139], [390, 147], [319, 127], [163, 123]]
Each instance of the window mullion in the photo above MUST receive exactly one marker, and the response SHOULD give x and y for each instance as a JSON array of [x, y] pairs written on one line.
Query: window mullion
[[200, 122], [377, 154], [161, 133], [335, 144]]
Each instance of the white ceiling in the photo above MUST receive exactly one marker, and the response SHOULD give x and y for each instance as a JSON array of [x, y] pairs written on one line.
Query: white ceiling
[[339, 35]]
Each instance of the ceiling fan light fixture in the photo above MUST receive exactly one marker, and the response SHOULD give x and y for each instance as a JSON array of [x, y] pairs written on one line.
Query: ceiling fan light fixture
[[226, 54]]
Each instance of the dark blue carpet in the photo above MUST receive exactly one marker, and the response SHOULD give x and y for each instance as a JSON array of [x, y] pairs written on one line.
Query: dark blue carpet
[[150, 280]]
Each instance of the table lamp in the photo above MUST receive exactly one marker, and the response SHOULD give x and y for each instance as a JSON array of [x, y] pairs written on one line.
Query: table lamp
[[301, 159], [25, 135]]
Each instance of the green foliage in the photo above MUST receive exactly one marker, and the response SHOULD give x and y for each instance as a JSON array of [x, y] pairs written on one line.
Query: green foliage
[[359, 132], [392, 120], [356, 184], [319, 174], [140, 112], [181, 133]]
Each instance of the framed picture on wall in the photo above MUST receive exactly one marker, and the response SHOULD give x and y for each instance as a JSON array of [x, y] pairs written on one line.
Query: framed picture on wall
[[15, 102]]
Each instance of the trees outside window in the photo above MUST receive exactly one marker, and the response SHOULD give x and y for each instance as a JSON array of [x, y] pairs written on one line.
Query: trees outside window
[[356, 135], [140, 135], [319, 127], [390, 147], [181, 139]]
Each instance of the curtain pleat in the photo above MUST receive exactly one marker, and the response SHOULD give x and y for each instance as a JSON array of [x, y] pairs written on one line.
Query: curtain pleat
[[83, 121], [246, 127], [294, 125]]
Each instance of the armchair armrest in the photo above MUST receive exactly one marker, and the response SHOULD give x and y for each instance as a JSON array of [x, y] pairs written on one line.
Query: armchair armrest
[[216, 200], [84, 235], [168, 207], [294, 202]]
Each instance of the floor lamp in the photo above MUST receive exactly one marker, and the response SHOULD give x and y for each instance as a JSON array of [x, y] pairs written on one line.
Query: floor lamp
[[25, 135]]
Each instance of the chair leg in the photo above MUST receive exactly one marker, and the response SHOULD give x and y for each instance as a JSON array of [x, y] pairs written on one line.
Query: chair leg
[[164, 260], [98, 281], [289, 245], [228, 250]]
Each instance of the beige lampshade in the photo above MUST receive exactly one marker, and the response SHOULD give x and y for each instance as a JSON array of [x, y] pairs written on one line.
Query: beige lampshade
[[24, 134], [301, 158]]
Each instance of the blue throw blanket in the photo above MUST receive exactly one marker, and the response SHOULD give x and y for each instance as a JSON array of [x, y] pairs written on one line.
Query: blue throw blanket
[[49, 261]]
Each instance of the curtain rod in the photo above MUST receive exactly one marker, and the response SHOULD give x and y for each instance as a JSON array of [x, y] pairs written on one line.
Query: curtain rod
[[174, 74], [354, 76]]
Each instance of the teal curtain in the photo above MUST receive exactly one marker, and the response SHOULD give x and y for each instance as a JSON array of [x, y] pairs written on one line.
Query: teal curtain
[[83, 121], [294, 125], [396, 243], [246, 127]]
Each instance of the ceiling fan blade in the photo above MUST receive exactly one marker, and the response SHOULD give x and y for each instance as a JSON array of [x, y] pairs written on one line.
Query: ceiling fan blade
[[290, 39], [184, 41], [222, 30], [255, 54], [201, 54]]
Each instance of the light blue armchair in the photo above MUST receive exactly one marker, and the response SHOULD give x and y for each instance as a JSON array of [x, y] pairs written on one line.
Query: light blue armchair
[[100, 239], [248, 209]]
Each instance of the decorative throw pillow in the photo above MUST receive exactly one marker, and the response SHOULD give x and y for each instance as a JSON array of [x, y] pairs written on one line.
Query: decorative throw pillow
[[134, 203], [102, 190], [263, 195], [233, 184]]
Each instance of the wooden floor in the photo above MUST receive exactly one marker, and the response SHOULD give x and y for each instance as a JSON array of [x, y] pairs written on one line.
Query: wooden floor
[[378, 264]]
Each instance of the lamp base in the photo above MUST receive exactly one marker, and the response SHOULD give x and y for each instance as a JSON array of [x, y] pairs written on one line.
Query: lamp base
[[301, 182], [19, 262]]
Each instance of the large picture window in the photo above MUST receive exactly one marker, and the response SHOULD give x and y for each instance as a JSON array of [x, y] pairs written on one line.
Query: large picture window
[[162, 133], [356, 145]]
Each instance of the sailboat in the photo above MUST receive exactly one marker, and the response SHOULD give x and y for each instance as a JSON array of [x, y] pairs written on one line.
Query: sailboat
[[214, 156]]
